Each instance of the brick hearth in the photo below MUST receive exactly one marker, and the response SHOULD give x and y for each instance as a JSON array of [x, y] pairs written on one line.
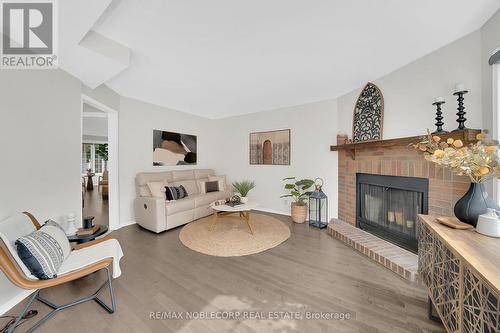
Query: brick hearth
[[398, 260], [398, 159]]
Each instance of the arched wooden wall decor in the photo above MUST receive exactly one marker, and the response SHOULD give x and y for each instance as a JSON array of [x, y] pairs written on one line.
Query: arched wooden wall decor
[[368, 115], [267, 152]]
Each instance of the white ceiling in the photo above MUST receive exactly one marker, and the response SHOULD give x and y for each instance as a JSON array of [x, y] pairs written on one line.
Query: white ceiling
[[83, 53], [227, 57]]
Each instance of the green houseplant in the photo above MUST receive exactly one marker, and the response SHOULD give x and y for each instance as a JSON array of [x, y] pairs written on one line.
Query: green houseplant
[[299, 193], [101, 150], [243, 188]]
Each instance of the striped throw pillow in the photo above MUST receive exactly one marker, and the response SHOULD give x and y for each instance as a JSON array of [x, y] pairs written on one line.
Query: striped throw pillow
[[44, 251], [175, 192]]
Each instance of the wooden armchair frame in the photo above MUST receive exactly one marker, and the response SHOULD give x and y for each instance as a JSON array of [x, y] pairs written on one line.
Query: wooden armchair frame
[[14, 273]]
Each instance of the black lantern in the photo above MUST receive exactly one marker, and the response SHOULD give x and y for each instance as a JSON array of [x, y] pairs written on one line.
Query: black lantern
[[318, 206]]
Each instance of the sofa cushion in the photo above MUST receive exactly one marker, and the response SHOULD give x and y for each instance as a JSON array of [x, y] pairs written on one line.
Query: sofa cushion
[[190, 186], [183, 175], [203, 173], [180, 205], [157, 189], [202, 200], [144, 177], [205, 199]]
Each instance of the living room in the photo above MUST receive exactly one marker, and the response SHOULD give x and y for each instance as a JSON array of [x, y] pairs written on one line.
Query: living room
[[224, 93]]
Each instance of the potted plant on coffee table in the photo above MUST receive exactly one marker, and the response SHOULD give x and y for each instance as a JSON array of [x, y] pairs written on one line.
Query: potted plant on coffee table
[[298, 191], [243, 188]]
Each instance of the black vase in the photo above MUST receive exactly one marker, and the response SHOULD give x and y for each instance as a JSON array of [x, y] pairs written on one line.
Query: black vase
[[473, 203]]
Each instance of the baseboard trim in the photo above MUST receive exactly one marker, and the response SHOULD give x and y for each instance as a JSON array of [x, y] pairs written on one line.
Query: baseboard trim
[[273, 211], [15, 300], [127, 224]]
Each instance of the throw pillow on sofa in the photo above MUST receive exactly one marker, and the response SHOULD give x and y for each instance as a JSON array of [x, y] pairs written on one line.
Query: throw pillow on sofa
[[201, 186], [157, 188], [212, 186], [221, 180], [207, 186], [175, 192], [43, 251]]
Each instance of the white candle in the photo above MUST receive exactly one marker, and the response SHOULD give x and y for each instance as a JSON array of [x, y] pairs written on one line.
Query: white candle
[[390, 216], [459, 87], [438, 100]]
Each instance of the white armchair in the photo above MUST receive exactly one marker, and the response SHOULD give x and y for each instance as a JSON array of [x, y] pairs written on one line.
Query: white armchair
[[84, 259]]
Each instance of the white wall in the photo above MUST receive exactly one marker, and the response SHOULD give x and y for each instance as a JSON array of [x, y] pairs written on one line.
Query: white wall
[[410, 91], [95, 126], [313, 130], [137, 120], [104, 95], [490, 42], [40, 160], [40, 135]]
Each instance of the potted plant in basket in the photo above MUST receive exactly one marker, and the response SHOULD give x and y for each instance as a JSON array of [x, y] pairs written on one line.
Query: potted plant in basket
[[298, 191], [478, 161], [243, 188]]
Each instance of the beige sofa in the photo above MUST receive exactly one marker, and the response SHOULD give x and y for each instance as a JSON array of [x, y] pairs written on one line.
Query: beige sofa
[[156, 214]]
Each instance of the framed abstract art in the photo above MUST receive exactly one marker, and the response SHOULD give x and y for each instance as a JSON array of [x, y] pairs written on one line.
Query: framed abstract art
[[170, 148]]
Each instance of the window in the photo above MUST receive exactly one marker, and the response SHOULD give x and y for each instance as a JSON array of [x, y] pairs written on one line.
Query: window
[[496, 118], [94, 157]]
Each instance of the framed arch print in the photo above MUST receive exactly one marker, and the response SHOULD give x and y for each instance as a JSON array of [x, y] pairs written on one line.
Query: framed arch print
[[270, 148], [368, 117]]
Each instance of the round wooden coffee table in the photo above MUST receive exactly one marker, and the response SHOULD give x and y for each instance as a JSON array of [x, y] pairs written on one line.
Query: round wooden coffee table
[[243, 211], [87, 238]]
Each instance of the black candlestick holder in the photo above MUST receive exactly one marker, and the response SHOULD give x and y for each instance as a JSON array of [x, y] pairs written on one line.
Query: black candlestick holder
[[439, 118], [461, 113]]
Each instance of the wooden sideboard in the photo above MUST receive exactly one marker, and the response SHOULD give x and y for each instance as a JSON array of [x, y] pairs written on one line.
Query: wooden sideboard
[[461, 270]]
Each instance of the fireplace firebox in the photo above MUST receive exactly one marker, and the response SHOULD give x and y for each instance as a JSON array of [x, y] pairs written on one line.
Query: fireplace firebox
[[387, 206]]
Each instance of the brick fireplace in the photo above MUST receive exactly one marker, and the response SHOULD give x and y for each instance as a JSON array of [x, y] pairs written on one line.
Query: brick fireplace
[[394, 157]]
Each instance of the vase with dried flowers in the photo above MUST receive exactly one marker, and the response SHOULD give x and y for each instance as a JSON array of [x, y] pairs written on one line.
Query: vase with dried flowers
[[479, 161]]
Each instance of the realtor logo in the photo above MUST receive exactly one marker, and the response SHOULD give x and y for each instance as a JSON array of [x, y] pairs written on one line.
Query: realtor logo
[[28, 34]]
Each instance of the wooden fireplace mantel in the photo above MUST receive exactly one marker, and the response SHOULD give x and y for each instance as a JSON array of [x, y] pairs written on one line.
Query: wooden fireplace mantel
[[467, 136]]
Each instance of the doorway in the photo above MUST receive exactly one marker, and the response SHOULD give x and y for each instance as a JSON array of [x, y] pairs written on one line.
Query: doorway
[[267, 152], [99, 163]]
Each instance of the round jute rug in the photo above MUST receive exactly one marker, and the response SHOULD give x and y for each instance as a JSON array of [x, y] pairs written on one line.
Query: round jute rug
[[231, 237]]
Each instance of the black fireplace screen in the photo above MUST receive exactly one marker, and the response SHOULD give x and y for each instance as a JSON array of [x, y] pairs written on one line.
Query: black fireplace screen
[[387, 206]]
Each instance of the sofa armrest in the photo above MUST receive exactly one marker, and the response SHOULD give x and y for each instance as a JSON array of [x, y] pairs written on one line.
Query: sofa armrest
[[150, 213]]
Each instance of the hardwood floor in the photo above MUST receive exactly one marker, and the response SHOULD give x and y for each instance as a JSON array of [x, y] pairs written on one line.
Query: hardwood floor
[[309, 272], [95, 206]]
